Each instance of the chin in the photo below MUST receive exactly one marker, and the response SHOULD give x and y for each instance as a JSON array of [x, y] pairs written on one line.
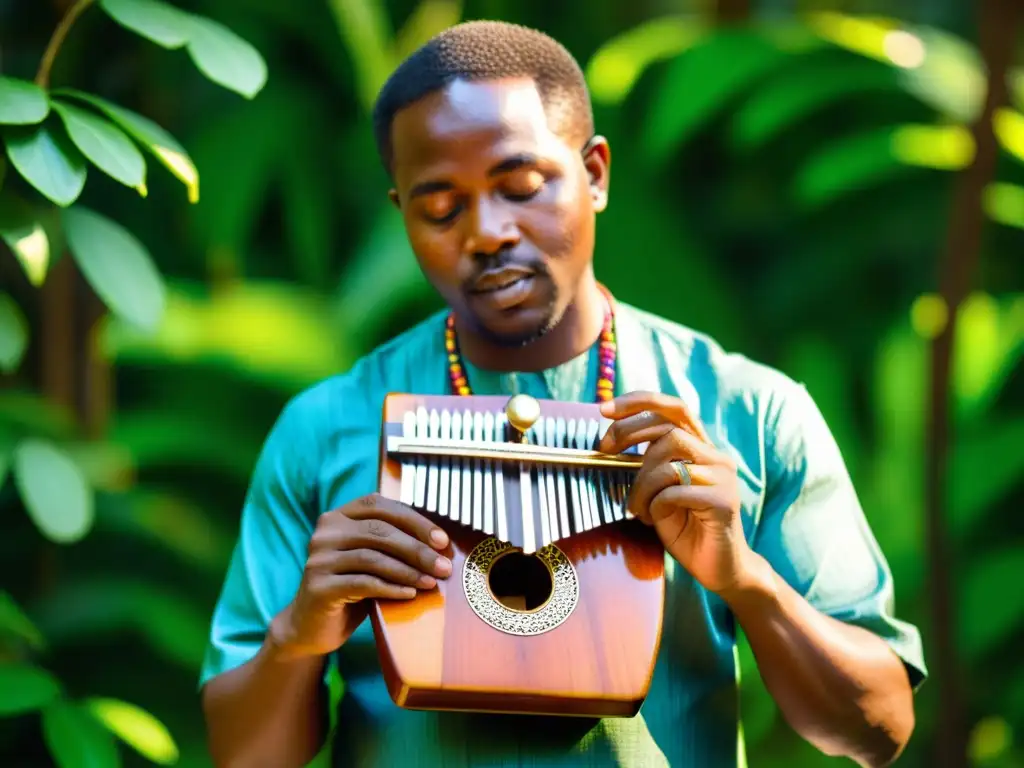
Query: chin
[[516, 330]]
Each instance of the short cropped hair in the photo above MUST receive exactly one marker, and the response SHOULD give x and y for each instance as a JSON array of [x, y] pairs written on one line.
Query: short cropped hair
[[488, 50]]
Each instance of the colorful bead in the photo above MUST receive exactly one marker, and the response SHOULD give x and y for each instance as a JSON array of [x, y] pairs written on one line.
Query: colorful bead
[[607, 354]]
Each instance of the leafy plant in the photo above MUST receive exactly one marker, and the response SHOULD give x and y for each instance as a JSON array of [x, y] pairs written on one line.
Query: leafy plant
[[54, 138]]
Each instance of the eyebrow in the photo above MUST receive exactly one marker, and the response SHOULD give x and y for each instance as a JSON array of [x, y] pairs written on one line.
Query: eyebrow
[[505, 166]]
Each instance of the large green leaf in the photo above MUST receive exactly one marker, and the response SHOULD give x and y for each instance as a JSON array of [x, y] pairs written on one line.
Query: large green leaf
[[162, 23], [617, 65], [54, 490], [76, 739], [428, 19], [136, 727], [25, 236], [700, 82], [226, 58], [14, 622], [105, 145], [22, 102], [117, 266], [13, 334], [845, 165], [799, 92], [991, 606], [150, 135], [308, 216], [48, 161], [25, 688], [175, 625], [363, 26], [987, 464]]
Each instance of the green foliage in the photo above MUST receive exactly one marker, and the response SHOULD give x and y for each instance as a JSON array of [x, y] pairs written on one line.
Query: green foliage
[[781, 187]]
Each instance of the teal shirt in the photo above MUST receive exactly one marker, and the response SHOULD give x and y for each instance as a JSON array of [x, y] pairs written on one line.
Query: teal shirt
[[799, 509]]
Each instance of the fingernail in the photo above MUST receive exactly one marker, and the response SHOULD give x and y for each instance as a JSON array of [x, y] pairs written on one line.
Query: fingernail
[[408, 592], [607, 408], [442, 566], [439, 537], [427, 582]]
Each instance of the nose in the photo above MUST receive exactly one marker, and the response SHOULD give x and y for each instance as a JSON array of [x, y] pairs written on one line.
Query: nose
[[491, 228]]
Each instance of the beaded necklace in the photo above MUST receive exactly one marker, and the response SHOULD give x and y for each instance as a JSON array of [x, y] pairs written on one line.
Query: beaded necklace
[[606, 356]]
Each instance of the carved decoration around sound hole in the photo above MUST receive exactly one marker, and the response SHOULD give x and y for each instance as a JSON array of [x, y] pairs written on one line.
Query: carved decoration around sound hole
[[565, 592]]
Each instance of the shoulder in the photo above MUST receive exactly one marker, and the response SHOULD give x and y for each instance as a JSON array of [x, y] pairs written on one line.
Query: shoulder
[[715, 370]]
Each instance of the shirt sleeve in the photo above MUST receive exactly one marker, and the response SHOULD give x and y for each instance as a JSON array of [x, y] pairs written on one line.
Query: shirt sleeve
[[277, 521], [814, 532]]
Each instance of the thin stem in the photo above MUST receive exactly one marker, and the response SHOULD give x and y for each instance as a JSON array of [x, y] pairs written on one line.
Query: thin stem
[[61, 32]]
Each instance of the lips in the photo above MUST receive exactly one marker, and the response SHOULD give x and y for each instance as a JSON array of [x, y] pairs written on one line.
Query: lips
[[500, 279]]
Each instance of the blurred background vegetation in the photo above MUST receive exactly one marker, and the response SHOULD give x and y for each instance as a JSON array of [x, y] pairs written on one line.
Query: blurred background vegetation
[[814, 184]]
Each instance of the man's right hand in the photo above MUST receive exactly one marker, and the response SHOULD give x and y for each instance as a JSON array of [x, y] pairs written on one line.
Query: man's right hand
[[372, 547]]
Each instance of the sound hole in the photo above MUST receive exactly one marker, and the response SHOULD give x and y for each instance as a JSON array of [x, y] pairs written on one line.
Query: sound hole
[[520, 582]]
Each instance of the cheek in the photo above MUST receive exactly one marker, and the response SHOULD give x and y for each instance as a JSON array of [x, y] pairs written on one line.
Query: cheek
[[437, 253], [563, 228]]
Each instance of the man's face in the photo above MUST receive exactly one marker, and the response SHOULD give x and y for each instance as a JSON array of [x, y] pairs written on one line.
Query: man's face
[[499, 210]]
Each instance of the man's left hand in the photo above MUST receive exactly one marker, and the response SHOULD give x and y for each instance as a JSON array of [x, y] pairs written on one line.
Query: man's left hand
[[699, 522]]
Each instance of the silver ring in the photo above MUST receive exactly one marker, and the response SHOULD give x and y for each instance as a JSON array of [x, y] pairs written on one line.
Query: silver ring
[[682, 472]]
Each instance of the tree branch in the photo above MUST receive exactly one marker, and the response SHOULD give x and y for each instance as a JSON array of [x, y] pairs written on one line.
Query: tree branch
[[57, 40], [997, 24]]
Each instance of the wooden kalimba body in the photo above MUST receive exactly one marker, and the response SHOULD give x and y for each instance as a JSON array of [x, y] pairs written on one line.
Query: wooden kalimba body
[[554, 605]]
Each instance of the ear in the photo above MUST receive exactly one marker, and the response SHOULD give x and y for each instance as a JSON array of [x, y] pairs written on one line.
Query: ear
[[393, 197], [597, 159]]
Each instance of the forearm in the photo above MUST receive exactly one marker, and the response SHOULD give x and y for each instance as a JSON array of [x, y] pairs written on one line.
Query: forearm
[[840, 687], [267, 712]]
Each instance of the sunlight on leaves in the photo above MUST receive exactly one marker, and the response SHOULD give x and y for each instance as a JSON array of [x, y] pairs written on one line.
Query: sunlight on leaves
[[76, 739], [945, 147], [163, 24], [117, 266], [25, 688], [14, 622], [929, 315], [363, 27], [150, 135], [22, 102], [13, 334], [1004, 203], [989, 344], [1009, 129], [105, 145], [617, 65], [25, 236], [950, 79], [427, 19], [861, 34], [225, 58], [48, 161], [990, 739], [136, 727], [55, 491], [251, 326]]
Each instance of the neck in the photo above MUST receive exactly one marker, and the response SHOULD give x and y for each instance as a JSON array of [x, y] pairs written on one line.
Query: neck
[[576, 332]]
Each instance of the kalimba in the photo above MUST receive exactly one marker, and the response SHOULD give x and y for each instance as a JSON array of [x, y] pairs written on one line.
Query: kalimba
[[554, 605]]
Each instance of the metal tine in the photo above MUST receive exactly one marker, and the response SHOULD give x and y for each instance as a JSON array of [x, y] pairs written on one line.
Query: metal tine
[[421, 465], [433, 431], [499, 487], [546, 484], [556, 434], [478, 476], [488, 475], [537, 437], [409, 466], [467, 471], [586, 489], [579, 511], [598, 496], [456, 477], [444, 481]]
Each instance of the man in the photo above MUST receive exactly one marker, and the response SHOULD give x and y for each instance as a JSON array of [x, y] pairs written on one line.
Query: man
[[487, 134]]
